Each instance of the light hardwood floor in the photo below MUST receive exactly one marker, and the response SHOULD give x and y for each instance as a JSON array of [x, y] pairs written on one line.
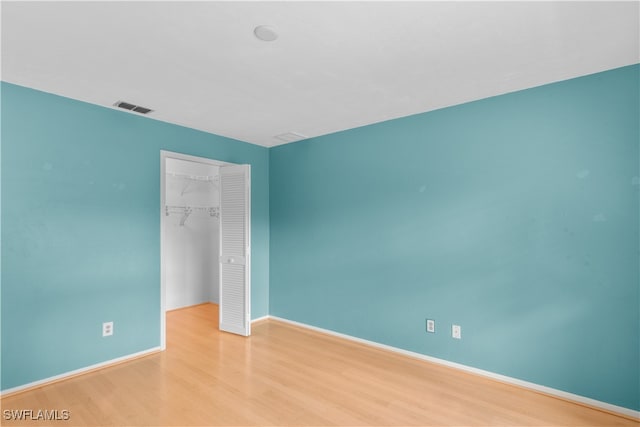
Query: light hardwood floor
[[285, 375]]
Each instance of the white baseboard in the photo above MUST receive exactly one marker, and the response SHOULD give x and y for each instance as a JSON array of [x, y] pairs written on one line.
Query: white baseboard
[[260, 319], [525, 384], [73, 373]]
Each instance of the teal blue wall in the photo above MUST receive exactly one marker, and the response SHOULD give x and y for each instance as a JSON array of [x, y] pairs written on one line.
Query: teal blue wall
[[81, 229], [515, 217]]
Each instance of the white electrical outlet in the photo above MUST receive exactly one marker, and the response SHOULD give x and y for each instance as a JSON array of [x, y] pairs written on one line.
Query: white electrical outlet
[[107, 329], [456, 332], [431, 325]]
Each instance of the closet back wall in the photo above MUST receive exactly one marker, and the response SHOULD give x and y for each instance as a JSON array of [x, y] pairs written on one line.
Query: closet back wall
[[81, 230], [192, 243]]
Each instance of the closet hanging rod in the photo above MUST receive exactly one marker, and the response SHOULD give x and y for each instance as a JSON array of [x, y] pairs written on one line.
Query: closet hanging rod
[[188, 210], [195, 208]]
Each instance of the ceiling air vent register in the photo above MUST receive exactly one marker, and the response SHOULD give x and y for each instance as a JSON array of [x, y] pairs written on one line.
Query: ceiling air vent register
[[290, 137], [133, 107]]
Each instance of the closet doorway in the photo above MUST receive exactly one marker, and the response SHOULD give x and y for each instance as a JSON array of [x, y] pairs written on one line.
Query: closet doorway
[[205, 234]]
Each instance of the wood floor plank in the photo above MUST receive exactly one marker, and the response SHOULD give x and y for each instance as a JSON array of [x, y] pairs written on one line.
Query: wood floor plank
[[286, 375]]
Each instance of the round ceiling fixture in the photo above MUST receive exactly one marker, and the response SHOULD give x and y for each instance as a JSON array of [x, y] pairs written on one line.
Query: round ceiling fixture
[[265, 33]]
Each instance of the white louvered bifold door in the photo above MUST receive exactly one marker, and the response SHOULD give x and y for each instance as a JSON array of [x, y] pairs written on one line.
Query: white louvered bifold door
[[235, 251]]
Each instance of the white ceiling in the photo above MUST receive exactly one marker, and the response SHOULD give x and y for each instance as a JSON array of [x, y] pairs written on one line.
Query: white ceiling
[[335, 65]]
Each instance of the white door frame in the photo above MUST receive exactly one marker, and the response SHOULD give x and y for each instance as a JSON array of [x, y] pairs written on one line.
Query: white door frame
[[179, 156]]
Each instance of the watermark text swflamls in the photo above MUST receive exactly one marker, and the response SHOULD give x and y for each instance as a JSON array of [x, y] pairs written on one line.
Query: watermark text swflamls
[[36, 414]]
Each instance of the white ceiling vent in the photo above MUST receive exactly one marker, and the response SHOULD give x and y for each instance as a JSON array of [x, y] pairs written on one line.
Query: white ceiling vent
[[133, 107], [290, 137]]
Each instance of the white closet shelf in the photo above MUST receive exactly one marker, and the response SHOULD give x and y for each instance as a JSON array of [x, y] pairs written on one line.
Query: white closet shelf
[[207, 178], [213, 211], [205, 208], [212, 179]]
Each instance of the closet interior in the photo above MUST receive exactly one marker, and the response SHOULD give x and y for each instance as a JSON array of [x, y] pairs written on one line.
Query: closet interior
[[192, 233]]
